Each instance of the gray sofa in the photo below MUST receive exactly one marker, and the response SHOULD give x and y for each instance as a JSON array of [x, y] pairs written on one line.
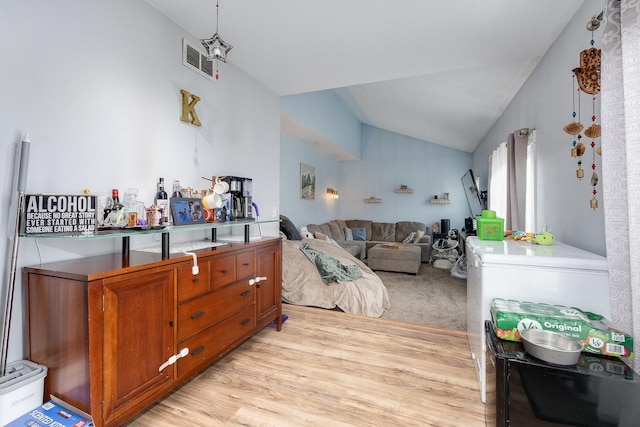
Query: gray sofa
[[376, 232]]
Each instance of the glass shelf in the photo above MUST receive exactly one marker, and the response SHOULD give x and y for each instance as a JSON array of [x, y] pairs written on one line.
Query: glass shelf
[[126, 233]]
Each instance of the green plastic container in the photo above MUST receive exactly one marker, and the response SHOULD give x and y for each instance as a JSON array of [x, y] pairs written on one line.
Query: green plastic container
[[490, 227]]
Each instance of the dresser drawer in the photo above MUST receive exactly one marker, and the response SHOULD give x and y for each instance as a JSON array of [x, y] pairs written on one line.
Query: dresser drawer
[[200, 313], [190, 286], [245, 265], [223, 271], [215, 340]]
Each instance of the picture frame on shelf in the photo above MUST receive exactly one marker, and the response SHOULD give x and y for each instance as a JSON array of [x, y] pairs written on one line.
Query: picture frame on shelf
[[187, 211]]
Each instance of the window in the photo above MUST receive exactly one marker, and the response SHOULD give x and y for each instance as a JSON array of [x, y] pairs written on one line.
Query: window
[[500, 197]]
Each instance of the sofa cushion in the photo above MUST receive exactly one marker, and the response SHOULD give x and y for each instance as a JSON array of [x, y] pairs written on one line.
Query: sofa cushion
[[383, 231], [337, 232], [404, 228], [410, 238], [359, 233], [360, 223], [348, 234], [322, 236], [319, 228]]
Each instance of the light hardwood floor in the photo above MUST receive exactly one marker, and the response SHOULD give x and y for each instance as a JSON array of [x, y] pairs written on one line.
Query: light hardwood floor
[[328, 368]]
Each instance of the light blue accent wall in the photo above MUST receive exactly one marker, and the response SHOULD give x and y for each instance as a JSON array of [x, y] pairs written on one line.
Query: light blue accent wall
[[545, 103], [300, 211], [390, 160], [326, 114]]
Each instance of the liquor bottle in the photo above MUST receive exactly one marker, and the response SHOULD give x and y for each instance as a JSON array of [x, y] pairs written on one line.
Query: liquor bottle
[[162, 201], [115, 197], [117, 215], [177, 190]]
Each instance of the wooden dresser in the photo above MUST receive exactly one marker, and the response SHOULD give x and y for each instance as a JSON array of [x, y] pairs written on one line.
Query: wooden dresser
[[118, 332]]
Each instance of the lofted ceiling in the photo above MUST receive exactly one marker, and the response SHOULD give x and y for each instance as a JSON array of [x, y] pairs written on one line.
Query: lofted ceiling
[[438, 71]]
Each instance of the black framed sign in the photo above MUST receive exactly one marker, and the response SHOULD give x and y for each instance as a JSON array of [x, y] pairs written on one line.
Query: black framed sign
[[187, 211], [59, 214]]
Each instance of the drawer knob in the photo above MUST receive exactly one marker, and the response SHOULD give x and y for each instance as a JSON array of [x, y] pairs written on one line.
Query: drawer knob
[[198, 350], [195, 280], [198, 314], [246, 264], [245, 321], [245, 293], [225, 271]]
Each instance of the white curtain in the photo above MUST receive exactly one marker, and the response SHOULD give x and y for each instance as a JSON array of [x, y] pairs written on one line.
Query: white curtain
[[497, 197], [530, 220], [512, 181], [620, 110]]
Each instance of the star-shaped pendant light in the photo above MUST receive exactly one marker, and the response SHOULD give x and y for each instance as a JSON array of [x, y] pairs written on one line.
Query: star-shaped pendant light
[[217, 49]]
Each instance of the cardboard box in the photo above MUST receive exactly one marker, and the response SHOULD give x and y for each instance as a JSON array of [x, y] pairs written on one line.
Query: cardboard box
[[592, 330], [21, 389], [54, 413]]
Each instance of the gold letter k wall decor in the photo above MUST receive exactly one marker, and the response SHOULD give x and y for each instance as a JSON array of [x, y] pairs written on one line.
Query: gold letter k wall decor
[[189, 102]]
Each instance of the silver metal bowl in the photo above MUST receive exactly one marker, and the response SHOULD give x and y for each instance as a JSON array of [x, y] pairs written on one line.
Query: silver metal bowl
[[552, 347]]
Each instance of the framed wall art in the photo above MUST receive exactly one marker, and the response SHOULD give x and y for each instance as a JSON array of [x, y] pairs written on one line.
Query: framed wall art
[[307, 182], [186, 211]]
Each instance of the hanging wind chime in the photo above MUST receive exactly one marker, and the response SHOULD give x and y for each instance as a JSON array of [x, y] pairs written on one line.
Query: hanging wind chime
[[217, 49], [588, 79]]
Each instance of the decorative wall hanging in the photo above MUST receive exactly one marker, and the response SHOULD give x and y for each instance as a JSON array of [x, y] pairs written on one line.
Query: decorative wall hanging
[[189, 102], [217, 49], [372, 199], [307, 182], [588, 78], [588, 74]]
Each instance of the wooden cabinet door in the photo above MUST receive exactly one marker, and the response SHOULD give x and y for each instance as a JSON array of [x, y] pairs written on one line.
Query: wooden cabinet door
[[138, 339], [268, 297]]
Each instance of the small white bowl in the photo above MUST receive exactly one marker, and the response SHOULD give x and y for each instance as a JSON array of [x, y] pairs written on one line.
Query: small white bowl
[[552, 347]]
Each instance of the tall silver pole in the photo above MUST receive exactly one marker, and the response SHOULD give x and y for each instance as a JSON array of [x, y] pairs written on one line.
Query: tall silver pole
[[10, 289], [23, 166]]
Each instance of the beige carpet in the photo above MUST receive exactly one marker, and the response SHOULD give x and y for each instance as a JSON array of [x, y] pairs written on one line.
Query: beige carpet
[[432, 297]]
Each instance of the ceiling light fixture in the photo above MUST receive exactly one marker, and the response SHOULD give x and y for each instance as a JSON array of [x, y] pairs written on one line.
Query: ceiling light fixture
[[217, 49]]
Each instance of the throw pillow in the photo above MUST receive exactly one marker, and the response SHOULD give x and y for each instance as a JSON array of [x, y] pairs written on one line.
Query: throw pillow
[[419, 236], [410, 238], [289, 230], [322, 236], [348, 235], [359, 233]]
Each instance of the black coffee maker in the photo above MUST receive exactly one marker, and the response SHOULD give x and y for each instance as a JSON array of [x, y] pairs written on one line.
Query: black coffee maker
[[240, 194]]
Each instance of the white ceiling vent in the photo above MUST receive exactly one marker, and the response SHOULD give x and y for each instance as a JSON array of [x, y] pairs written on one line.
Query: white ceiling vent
[[197, 61]]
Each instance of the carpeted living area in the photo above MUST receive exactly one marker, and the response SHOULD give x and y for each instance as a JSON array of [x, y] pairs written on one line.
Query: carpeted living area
[[432, 297]]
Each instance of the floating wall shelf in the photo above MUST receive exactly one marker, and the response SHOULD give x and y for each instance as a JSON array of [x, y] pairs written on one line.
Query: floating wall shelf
[[403, 190], [441, 201], [372, 200]]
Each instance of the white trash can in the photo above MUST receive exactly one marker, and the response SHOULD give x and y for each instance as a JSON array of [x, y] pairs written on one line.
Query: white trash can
[[21, 389]]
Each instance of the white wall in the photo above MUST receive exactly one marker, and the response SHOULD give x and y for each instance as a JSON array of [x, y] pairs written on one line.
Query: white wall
[[97, 86], [545, 103]]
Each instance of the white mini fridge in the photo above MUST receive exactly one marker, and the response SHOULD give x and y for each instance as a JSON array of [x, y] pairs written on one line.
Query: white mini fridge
[[520, 270]]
